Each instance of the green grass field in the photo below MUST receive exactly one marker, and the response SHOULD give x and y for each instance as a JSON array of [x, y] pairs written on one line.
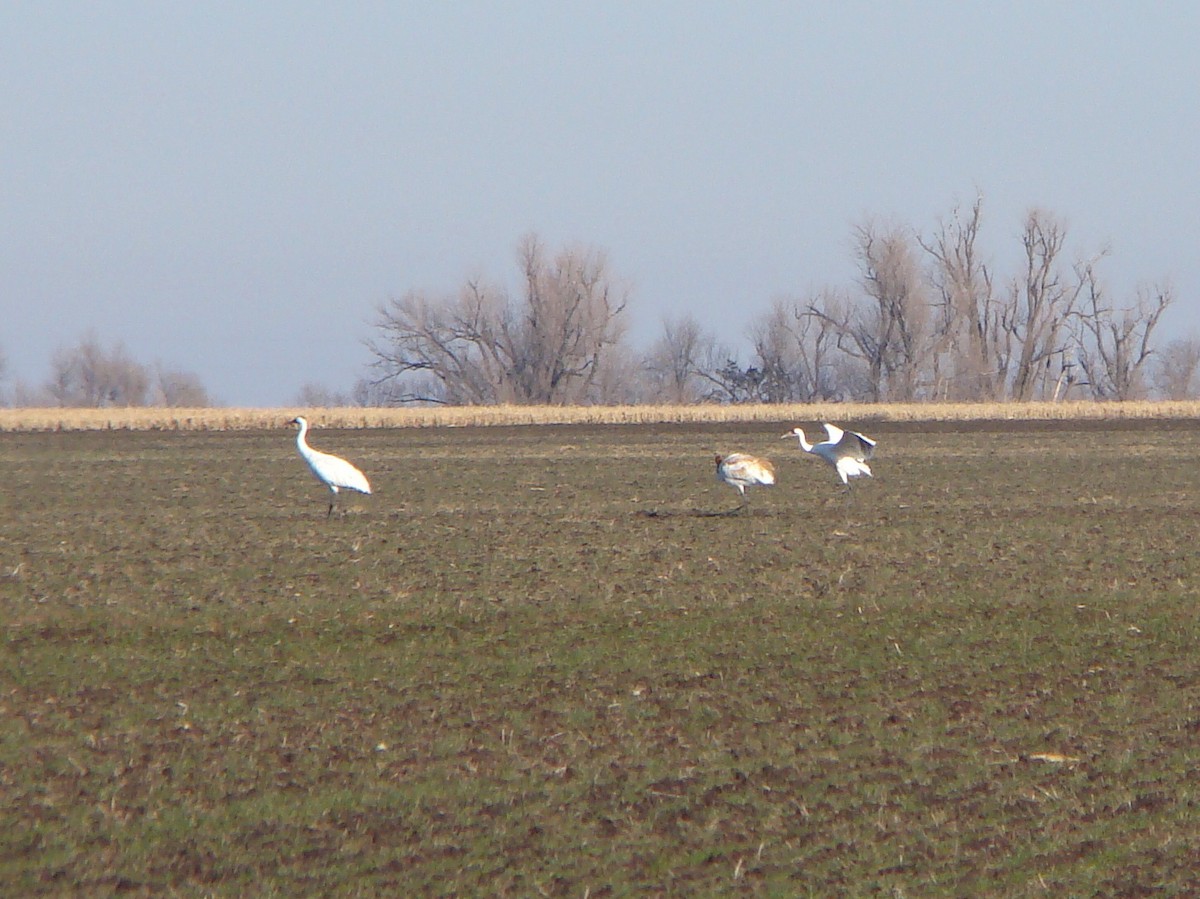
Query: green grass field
[[534, 663]]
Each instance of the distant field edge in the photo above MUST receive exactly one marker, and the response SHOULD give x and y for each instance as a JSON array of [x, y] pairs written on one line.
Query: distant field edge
[[227, 419]]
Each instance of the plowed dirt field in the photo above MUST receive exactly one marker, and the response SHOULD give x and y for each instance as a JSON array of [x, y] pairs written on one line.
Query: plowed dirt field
[[539, 661]]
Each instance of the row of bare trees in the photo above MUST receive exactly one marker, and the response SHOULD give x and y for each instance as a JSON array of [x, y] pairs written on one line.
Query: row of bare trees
[[929, 319], [90, 374]]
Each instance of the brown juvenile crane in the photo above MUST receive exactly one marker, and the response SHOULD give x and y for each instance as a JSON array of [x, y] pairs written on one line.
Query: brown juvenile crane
[[742, 470]]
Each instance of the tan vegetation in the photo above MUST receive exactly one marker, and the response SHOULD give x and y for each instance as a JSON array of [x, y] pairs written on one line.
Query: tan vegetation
[[231, 419]]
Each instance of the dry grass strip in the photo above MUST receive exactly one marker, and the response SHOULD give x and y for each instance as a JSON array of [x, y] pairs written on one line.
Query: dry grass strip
[[226, 419]]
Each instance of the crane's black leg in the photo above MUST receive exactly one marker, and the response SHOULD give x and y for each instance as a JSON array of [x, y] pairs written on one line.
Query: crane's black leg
[[849, 495]]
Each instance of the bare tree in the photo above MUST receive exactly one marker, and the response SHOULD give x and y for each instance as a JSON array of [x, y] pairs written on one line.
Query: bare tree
[[896, 284], [1040, 305], [816, 344], [777, 357], [482, 347], [621, 379], [313, 395], [371, 392], [890, 331], [969, 363], [793, 349], [1178, 363], [442, 351], [572, 316], [179, 389], [677, 363], [733, 384], [1114, 345], [89, 375]]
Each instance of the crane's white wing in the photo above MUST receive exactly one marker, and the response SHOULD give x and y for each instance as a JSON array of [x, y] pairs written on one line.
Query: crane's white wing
[[835, 433], [850, 444]]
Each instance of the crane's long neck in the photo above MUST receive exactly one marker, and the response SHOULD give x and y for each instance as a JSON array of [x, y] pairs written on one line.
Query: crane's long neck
[[301, 442], [804, 444]]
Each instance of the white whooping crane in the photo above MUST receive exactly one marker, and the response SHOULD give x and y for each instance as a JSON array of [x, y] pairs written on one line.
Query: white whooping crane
[[741, 470], [846, 451], [334, 472]]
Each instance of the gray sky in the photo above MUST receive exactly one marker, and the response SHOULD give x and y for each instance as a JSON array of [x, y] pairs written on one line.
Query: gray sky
[[232, 188]]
